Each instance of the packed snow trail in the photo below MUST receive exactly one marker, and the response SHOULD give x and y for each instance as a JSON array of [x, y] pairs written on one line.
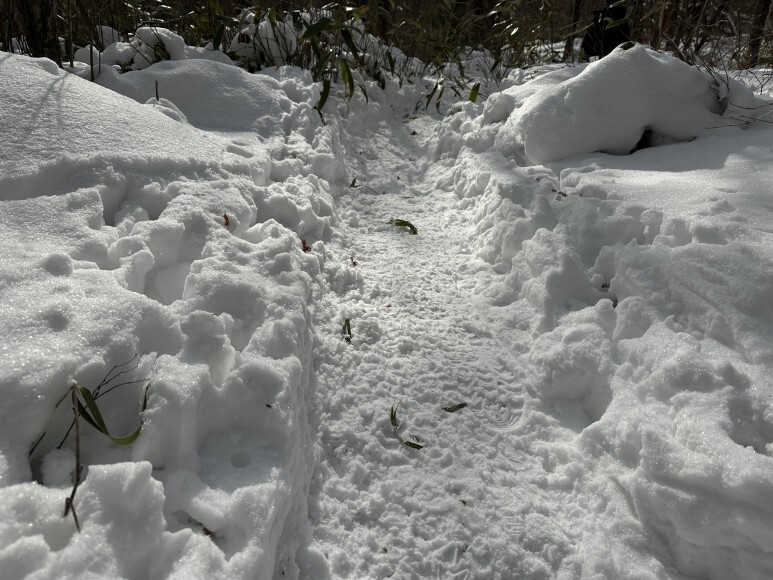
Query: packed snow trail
[[585, 336], [472, 503]]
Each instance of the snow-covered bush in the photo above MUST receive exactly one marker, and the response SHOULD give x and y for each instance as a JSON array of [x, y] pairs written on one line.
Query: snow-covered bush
[[148, 45], [611, 103], [265, 40]]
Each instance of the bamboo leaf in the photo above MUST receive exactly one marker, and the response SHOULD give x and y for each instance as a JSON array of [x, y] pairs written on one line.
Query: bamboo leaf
[[346, 76], [320, 70], [318, 55], [92, 406], [474, 92], [364, 92], [391, 61], [314, 29], [405, 224], [93, 416], [393, 417], [82, 412], [431, 94], [128, 439], [224, 18], [396, 425], [145, 398], [347, 36], [323, 95]]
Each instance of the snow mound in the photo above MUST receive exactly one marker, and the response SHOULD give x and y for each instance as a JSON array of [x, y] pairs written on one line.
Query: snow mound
[[90, 122], [149, 44], [136, 248], [275, 111], [212, 95], [610, 103]]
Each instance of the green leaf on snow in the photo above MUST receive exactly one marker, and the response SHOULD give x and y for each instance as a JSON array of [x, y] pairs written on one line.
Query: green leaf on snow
[[474, 92], [404, 224]]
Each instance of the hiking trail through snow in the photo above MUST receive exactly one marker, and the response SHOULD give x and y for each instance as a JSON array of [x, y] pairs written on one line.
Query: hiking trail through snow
[[473, 501], [583, 331]]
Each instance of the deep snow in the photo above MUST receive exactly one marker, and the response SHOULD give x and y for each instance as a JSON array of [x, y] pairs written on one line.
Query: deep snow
[[606, 319]]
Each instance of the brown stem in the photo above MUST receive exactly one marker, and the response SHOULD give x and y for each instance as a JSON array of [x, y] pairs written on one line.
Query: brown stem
[[69, 506]]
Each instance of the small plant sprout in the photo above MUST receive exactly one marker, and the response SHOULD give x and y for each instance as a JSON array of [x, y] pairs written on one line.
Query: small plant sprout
[[84, 406], [91, 413], [323, 98], [346, 331], [404, 224], [396, 428]]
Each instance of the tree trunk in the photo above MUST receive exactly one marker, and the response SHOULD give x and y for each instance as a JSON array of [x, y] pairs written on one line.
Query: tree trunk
[[758, 29]]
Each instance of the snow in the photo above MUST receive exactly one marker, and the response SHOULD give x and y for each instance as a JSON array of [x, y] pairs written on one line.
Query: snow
[[610, 102], [605, 320]]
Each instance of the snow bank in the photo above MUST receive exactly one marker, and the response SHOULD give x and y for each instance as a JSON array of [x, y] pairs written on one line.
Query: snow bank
[[140, 249], [275, 109], [644, 284], [57, 120], [610, 103], [212, 95]]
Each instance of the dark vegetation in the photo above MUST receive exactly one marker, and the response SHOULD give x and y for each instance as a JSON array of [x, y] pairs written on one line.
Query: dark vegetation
[[517, 32]]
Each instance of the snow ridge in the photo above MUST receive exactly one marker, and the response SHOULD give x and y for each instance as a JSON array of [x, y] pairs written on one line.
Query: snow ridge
[[171, 248]]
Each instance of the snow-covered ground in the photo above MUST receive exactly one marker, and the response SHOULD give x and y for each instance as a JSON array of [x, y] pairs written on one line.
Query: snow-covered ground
[[564, 374]]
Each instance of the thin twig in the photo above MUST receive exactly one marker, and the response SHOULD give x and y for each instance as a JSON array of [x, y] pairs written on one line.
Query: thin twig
[[753, 119], [69, 506], [108, 378], [36, 443], [123, 384]]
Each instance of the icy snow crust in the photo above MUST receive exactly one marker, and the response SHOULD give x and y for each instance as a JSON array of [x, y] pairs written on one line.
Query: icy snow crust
[[606, 319]]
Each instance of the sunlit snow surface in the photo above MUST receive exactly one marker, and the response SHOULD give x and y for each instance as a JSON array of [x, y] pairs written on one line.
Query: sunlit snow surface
[[116, 245], [607, 319]]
